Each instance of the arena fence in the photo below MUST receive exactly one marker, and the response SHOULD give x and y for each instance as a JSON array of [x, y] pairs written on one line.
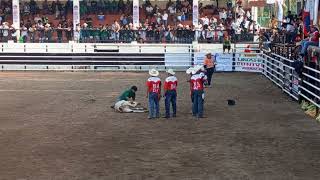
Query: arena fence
[[75, 56]]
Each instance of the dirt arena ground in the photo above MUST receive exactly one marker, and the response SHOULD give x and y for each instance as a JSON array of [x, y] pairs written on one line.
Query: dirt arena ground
[[59, 126]]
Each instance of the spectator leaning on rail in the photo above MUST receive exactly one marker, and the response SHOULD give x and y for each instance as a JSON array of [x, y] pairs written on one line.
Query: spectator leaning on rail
[[153, 93], [313, 40], [170, 93], [226, 43], [209, 65], [197, 81]]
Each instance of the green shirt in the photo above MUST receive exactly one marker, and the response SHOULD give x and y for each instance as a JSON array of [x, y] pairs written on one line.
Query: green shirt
[[127, 94], [226, 42]]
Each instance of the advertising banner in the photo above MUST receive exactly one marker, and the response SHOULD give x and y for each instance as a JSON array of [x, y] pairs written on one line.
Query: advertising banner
[[76, 13], [135, 14], [195, 13], [249, 64], [15, 14]]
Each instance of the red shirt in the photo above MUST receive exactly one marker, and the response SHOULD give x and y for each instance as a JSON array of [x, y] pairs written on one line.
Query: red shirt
[[197, 82], [154, 84], [171, 83], [315, 37]]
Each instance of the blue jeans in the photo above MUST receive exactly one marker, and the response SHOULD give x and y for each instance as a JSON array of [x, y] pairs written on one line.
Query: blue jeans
[[197, 105], [305, 44], [209, 75], [171, 97], [153, 105]]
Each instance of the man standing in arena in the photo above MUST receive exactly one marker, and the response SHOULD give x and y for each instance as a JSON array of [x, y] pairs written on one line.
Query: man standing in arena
[[197, 90], [154, 93], [209, 65], [170, 93]]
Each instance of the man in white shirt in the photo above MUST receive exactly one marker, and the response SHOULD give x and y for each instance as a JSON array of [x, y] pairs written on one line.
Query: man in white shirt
[[291, 33], [172, 9], [165, 18], [149, 10], [205, 20]]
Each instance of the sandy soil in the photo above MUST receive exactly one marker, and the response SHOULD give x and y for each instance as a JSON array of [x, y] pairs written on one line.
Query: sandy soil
[[59, 126]]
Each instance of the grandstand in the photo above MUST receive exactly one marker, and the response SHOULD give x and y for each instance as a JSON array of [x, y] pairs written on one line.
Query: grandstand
[[159, 21]]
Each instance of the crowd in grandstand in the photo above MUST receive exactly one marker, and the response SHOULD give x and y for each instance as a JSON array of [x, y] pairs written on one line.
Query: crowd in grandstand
[[291, 31], [171, 24]]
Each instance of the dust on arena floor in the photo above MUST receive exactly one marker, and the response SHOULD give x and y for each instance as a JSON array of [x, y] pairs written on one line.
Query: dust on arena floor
[[59, 126]]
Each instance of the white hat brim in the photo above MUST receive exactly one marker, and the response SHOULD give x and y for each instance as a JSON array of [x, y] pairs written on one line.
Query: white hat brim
[[170, 71], [189, 71], [154, 73]]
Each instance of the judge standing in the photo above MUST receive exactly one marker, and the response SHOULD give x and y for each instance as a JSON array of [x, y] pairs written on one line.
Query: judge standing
[[209, 65]]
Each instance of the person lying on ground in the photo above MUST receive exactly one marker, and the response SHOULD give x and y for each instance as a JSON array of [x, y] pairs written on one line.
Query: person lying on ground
[[126, 102]]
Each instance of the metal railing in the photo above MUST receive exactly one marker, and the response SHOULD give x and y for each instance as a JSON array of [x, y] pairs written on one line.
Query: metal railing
[[103, 35], [310, 86]]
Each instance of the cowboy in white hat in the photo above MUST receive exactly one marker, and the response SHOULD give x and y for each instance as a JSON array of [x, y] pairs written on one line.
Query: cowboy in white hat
[[154, 93], [170, 93], [197, 81]]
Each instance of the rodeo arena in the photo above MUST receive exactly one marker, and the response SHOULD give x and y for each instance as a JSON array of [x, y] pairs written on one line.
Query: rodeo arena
[[159, 90]]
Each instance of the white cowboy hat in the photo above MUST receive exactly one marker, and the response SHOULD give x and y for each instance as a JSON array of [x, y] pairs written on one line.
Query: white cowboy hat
[[189, 70], [153, 72], [197, 68], [170, 71]]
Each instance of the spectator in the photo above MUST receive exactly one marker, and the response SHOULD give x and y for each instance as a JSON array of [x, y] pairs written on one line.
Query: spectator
[[59, 33], [69, 31], [32, 33], [115, 6], [205, 22], [54, 7], [33, 7], [226, 44], [149, 11], [291, 33], [26, 9], [312, 40], [13, 32], [273, 22], [179, 16], [248, 14], [5, 31], [116, 29], [47, 33], [24, 33], [93, 7], [121, 6], [223, 15], [165, 18], [101, 17], [289, 18], [240, 11], [45, 7]]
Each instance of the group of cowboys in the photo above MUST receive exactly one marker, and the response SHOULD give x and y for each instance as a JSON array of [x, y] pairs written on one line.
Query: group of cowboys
[[200, 77]]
